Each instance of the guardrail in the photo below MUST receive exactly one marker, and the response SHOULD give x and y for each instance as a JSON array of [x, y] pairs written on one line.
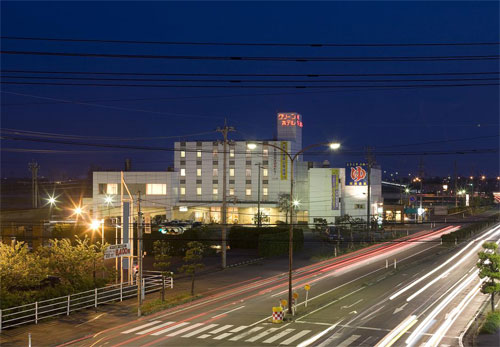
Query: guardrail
[[31, 313]]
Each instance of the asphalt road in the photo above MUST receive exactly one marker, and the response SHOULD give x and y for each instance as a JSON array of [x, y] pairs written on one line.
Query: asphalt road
[[361, 299]]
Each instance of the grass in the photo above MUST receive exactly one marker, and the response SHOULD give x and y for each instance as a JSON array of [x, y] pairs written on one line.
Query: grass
[[491, 323], [158, 305]]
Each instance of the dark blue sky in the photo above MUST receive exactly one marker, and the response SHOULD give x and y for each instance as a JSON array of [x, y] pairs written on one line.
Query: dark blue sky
[[358, 118]]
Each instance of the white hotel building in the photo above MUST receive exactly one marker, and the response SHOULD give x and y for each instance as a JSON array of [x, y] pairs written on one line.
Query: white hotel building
[[193, 191]]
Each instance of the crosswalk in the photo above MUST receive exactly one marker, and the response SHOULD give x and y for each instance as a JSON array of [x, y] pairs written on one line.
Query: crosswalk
[[263, 334]]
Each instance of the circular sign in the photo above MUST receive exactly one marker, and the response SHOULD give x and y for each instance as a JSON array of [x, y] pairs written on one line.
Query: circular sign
[[307, 287], [284, 302], [295, 295], [413, 198]]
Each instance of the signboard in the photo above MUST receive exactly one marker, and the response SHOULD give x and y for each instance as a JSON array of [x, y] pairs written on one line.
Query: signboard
[[496, 198], [147, 223], [412, 198], [116, 251], [289, 120], [467, 200], [356, 174], [125, 229], [335, 189], [284, 161]]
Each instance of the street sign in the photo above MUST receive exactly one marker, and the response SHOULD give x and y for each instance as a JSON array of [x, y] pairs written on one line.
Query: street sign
[[307, 287], [284, 303], [413, 198], [116, 251], [147, 223], [295, 296]]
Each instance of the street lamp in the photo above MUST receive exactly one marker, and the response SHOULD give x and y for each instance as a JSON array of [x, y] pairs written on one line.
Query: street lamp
[[294, 203], [94, 225], [51, 200]]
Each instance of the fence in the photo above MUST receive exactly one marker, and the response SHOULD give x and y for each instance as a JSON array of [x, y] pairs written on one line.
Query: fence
[[34, 312]]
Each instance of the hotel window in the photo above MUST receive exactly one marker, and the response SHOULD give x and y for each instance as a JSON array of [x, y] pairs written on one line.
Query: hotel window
[[248, 191], [183, 172], [248, 172], [112, 188], [183, 154], [231, 153], [265, 152], [265, 172], [183, 190], [215, 172], [156, 189], [231, 172], [359, 206], [198, 190], [265, 191], [198, 172], [231, 191], [198, 153], [215, 153], [215, 191]]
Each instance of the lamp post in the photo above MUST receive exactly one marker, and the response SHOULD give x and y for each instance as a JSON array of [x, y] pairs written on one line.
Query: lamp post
[[293, 203]]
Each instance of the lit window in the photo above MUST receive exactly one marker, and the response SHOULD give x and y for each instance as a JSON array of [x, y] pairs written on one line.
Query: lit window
[[215, 191], [183, 172], [359, 206], [112, 188], [265, 152], [156, 189], [183, 208], [231, 191], [198, 153], [215, 172], [231, 172], [248, 191], [215, 153], [183, 154], [231, 153], [265, 172], [198, 190], [265, 191], [248, 172], [198, 172], [183, 190]]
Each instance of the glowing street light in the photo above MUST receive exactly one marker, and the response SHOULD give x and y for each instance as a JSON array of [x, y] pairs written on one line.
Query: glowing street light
[[296, 203], [251, 146], [51, 200], [334, 145], [78, 210], [407, 190], [95, 225], [108, 199]]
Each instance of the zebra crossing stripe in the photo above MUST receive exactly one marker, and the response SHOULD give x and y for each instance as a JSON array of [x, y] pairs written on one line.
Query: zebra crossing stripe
[[235, 330], [163, 331], [204, 336], [348, 341], [153, 328], [295, 337], [246, 333], [141, 327], [178, 332], [261, 335], [279, 335], [196, 332], [221, 329], [222, 336]]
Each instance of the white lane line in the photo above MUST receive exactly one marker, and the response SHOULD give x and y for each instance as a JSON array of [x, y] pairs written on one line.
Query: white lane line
[[279, 335], [196, 332], [238, 308], [295, 337], [245, 334], [317, 336], [163, 331], [218, 330], [141, 327], [348, 341], [329, 341], [153, 328], [261, 335], [331, 303], [182, 331]]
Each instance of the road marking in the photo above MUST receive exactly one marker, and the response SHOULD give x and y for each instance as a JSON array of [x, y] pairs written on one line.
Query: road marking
[[153, 328], [279, 336], [261, 335], [399, 309], [221, 329], [196, 332], [351, 305], [178, 332], [397, 332], [331, 303], [178, 325], [228, 311], [90, 320], [245, 334], [350, 340], [204, 336], [317, 336], [295, 337], [141, 327], [235, 330]]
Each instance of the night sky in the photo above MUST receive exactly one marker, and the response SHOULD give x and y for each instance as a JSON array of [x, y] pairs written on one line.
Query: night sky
[[390, 119]]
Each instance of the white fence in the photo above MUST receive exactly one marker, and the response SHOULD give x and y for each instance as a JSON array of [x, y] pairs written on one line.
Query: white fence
[[32, 313]]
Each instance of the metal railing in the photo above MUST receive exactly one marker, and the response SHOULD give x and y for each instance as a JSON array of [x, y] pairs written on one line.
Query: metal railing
[[32, 313]]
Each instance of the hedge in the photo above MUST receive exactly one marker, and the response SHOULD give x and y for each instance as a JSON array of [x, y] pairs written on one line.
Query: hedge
[[277, 243], [248, 237], [468, 231]]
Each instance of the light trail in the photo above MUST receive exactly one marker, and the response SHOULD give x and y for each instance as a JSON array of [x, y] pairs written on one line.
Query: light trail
[[397, 332]]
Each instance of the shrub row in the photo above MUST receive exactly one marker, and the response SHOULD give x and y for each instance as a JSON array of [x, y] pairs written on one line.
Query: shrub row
[[278, 243], [468, 231], [179, 243], [248, 238]]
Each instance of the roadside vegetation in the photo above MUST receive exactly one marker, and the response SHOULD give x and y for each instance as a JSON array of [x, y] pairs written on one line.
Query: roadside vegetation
[[156, 305], [491, 324]]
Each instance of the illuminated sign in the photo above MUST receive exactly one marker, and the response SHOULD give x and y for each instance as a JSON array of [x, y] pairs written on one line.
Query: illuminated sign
[[116, 251], [284, 160], [356, 174], [289, 120], [335, 189]]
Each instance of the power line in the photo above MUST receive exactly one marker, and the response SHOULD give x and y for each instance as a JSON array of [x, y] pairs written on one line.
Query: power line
[[261, 58], [266, 44]]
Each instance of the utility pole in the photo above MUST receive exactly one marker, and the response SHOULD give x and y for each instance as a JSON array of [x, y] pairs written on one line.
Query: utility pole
[[370, 162], [224, 130], [421, 177], [456, 195], [33, 166], [259, 219], [139, 255]]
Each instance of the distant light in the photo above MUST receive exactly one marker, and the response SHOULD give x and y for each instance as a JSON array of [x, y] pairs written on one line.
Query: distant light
[[407, 190], [95, 224], [296, 203], [108, 199], [334, 145], [483, 177], [445, 187], [78, 210], [251, 146], [471, 177], [420, 211], [51, 200]]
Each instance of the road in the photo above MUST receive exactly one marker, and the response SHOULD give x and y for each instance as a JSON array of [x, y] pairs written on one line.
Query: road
[[384, 294]]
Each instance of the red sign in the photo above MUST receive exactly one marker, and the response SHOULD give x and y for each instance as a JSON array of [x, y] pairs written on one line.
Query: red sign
[[289, 120], [358, 173]]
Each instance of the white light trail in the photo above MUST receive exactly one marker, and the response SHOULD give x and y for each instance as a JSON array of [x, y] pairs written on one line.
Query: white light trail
[[396, 333]]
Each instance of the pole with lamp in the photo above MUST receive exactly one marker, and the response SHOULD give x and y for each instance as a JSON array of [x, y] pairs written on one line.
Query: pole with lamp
[[293, 203]]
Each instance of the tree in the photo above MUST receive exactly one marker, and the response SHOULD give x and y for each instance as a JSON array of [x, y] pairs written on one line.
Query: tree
[[489, 268], [264, 218], [284, 204], [194, 254], [162, 251]]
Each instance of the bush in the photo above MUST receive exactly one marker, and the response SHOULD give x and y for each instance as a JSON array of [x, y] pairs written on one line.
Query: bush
[[468, 231], [248, 238], [491, 324], [278, 243]]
